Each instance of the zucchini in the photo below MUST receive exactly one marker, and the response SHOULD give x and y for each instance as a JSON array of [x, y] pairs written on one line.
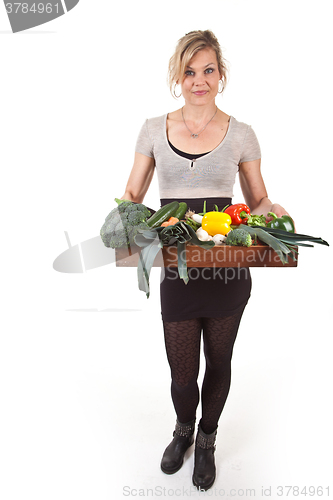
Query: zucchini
[[163, 214], [181, 210]]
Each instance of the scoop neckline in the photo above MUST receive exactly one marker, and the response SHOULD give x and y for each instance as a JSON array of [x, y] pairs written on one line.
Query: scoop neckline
[[231, 119]]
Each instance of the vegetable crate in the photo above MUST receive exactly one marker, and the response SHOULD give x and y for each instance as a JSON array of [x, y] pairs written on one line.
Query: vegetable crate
[[217, 256]]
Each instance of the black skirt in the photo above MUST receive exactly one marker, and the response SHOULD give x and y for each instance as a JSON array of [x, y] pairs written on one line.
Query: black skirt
[[210, 292]]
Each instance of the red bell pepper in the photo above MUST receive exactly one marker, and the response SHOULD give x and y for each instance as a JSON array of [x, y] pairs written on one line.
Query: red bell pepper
[[235, 210]]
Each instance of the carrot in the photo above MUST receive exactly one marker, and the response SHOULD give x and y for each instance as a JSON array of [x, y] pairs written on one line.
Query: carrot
[[170, 222]]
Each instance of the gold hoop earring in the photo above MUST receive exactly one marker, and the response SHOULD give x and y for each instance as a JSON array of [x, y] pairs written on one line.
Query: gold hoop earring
[[174, 92], [222, 87]]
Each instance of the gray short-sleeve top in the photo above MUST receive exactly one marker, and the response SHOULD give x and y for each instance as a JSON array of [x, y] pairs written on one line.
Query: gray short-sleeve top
[[212, 175]]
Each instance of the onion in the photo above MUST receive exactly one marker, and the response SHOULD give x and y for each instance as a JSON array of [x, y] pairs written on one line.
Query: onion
[[197, 218]]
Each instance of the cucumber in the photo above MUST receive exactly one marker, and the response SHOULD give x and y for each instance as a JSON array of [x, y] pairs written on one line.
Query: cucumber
[[181, 210], [163, 214]]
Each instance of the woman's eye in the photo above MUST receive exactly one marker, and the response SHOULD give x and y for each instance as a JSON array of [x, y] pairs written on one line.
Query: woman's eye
[[191, 73]]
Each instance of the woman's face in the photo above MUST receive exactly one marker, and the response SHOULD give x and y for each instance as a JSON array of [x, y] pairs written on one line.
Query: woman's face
[[201, 81]]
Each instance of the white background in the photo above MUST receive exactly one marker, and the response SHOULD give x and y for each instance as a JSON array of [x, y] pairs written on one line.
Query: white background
[[86, 408]]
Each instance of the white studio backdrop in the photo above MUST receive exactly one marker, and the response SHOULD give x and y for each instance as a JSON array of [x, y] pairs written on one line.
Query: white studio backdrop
[[85, 397]]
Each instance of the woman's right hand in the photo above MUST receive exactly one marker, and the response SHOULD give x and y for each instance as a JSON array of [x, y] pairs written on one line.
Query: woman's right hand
[[140, 178]]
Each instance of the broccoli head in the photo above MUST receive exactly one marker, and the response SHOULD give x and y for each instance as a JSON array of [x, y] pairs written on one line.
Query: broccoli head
[[112, 214], [239, 237], [136, 217], [123, 206], [123, 222]]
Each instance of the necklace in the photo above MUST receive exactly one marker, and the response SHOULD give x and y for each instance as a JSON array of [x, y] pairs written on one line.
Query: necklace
[[196, 135]]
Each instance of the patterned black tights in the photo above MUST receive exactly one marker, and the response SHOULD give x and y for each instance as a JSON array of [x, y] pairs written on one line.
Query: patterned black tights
[[182, 342]]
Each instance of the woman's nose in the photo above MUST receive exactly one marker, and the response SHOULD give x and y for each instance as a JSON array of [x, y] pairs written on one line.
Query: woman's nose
[[199, 80]]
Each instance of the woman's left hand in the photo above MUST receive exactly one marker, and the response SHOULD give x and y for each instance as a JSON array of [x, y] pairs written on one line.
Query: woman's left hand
[[277, 210]]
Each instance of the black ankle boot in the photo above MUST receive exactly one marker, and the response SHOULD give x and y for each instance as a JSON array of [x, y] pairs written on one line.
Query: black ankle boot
[[173, 455], [204, 464]]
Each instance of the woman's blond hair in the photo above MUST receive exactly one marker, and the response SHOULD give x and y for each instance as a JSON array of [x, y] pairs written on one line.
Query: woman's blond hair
[[186, 48]]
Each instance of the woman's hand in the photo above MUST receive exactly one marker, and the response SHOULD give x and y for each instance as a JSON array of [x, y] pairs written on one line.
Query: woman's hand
[[267, 206], [277, 210]]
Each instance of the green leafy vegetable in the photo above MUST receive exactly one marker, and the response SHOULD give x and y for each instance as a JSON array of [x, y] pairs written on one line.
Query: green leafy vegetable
[[253, 220], [153, 239], [283, 242]]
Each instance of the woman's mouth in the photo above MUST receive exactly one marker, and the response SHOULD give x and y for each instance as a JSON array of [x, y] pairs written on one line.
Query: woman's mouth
[[200, 92]]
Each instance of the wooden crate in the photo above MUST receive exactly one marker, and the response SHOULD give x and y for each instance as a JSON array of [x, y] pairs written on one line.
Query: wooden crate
[[218, 256]]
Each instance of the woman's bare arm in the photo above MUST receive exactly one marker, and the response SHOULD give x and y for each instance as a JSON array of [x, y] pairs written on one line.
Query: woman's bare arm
[[140, 178], [254, 190]]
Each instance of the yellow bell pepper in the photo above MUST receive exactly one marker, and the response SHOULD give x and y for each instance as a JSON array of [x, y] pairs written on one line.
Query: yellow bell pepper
[[216, 223]]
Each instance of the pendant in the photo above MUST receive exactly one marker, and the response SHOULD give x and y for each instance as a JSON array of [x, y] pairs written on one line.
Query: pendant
[[194, 136]]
